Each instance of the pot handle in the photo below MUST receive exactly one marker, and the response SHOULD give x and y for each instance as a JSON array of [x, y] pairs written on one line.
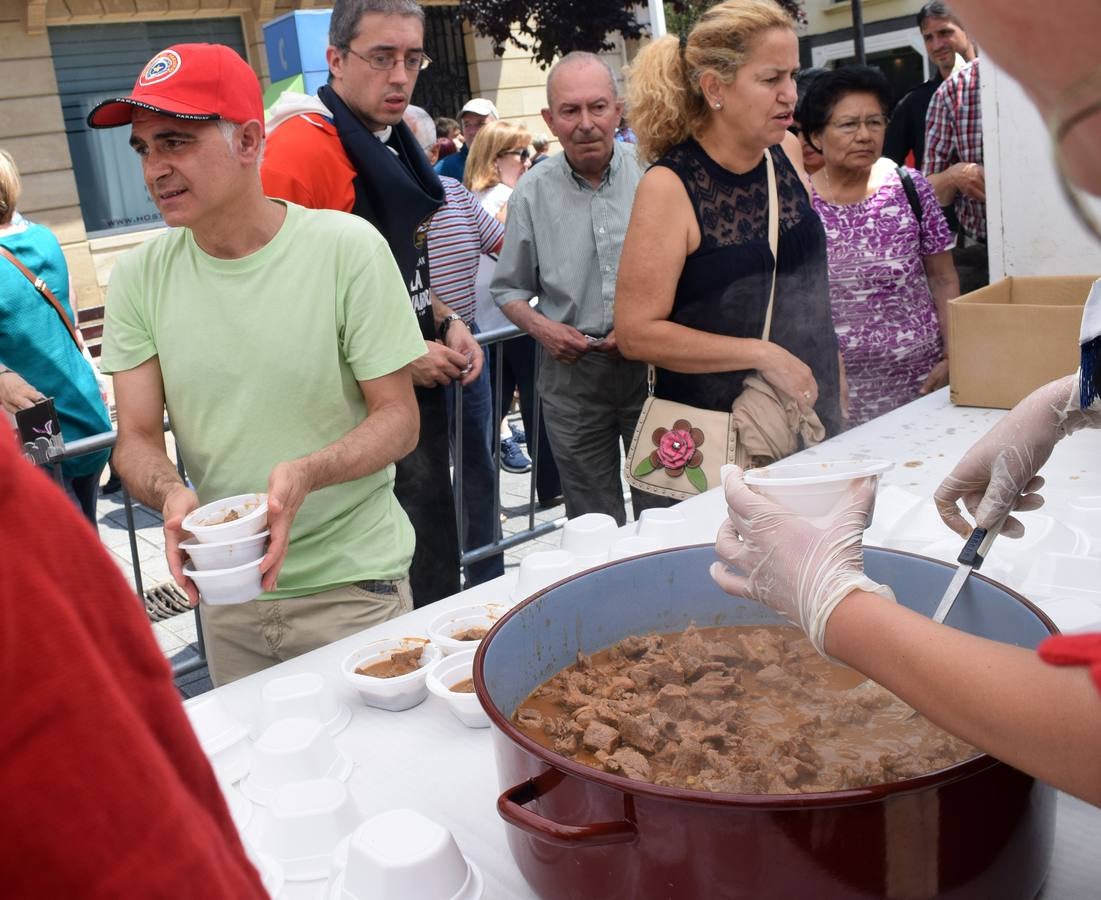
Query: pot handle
[[511, 807]]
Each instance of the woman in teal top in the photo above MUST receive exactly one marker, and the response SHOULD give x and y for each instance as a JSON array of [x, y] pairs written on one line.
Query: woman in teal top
[[38, 358]]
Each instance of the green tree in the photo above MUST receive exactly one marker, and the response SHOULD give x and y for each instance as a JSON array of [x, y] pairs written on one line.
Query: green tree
[[551, 28]]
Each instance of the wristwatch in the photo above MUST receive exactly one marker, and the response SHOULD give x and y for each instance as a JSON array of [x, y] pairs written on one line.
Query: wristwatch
[[446, 324]]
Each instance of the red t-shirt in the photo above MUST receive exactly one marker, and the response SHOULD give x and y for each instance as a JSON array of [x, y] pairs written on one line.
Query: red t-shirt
[[304, 162], [104, 789], [1074, 650]]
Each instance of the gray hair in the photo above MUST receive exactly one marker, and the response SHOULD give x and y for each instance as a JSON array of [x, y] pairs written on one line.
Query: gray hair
[[576, 57], [229, 132], [422, 126], [344, 24], [540, 142]]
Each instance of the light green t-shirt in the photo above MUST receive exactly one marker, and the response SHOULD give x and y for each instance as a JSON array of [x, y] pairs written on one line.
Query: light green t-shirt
[[261, 359]]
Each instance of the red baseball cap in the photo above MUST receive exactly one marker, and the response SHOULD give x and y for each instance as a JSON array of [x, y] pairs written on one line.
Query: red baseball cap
[[189, 81]]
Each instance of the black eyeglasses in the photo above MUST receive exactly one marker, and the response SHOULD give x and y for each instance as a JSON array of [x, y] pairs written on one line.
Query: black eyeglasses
[[384, 62], [523, 154]]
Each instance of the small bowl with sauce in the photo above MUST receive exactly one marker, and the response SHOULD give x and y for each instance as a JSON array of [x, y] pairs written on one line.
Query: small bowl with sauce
[[452, 680], [230, 519], [464, 627], [390, 673]]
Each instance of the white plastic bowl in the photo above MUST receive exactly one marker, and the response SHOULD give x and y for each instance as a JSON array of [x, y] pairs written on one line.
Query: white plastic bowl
[[542, 569], [225, 554], [304, 696], [669, 527], [292, 750], [306, 821], [268, 867], [590, 534], [401, 854], [813, 488], [240, 807], [449, 671], [206, 524], [225, 587], [394, 694], [224, 739], [460, 619], [632, 545]]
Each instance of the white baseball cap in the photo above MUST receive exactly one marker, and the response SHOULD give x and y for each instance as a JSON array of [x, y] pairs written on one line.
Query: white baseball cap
[[480, 107]]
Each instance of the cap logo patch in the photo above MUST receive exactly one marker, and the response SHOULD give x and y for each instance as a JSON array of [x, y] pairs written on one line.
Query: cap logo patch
[[162, 66]]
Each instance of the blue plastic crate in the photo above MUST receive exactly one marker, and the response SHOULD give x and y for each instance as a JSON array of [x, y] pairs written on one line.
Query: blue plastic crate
[[296, 42]]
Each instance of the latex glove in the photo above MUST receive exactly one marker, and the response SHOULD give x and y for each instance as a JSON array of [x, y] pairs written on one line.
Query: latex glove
[[998, 474], [802, 568]]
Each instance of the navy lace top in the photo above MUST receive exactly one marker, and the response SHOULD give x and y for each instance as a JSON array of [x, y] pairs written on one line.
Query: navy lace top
[[724, 286]]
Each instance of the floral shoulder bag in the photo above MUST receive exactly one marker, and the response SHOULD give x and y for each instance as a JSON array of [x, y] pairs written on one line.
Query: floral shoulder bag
[[678, 450]]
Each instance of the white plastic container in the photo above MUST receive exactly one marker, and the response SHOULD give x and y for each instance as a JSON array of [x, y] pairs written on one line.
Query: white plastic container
[[632, 545], [395, 694], [306, 821], [292, 750], [225, 554], [240, 807], [667, 527], [207, 522], [589, 537], [542, 569], [223, 738], [401, 854], [268, 867], [303, 696], [814, 488], [225, 587], [450, 671], [459, 620]]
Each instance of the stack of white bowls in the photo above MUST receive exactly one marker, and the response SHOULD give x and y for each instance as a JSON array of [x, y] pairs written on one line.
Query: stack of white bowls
[[225, 555]]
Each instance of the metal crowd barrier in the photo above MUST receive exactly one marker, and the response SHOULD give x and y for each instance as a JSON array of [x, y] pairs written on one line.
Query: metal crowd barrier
[[492, 342]]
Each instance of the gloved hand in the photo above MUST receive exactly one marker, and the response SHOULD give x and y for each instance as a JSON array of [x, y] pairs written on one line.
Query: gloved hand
[[998, 474], [802, 568]]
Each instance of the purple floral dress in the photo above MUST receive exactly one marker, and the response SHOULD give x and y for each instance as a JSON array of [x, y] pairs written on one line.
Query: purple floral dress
[[883, 311]]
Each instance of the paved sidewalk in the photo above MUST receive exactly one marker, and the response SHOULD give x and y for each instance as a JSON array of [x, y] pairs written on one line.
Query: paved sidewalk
[[177, 636]]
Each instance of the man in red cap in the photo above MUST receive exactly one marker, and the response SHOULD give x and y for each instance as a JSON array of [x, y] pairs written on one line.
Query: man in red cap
[[269, 331]]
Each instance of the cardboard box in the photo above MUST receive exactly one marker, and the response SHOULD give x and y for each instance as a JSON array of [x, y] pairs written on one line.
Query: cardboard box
[[1007, 339]]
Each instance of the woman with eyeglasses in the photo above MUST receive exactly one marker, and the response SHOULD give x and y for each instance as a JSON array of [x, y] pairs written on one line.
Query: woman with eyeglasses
[[889, 247]]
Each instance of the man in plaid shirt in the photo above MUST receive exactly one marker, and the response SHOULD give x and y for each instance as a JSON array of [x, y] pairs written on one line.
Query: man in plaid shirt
[[954, 167]]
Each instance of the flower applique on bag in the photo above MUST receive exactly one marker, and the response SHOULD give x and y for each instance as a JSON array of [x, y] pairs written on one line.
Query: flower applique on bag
[[686, 454]]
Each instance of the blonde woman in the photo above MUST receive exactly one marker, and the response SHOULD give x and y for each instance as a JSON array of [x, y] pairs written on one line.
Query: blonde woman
[[696, 271], [498, 157]]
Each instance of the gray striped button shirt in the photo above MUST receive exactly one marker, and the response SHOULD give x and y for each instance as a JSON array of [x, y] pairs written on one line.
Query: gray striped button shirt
[[563, 238]]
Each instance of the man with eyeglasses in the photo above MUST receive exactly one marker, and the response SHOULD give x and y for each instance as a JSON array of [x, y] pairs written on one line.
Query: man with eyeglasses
[[349, 149]]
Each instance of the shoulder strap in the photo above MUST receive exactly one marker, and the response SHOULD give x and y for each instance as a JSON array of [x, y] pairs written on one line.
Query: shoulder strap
[[773, 237], [40, 286], [911, 192]]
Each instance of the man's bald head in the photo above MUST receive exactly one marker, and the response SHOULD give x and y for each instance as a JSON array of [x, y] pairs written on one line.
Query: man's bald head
[[579, 58]]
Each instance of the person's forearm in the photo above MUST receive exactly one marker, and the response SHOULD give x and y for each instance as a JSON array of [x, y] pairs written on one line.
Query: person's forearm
[[523, 316], [389, 433], [143, 464], [1002, 699], [679, 348], [944, 186], [440, 311], [944, 286]]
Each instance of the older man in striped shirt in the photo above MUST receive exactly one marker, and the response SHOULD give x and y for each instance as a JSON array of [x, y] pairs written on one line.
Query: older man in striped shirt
[[566, 223]]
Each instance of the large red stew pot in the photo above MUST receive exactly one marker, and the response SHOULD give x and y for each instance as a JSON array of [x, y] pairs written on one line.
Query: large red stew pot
[[977, 830]]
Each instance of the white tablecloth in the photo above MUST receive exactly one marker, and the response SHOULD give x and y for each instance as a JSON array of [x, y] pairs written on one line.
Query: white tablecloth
[[426, 759]]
